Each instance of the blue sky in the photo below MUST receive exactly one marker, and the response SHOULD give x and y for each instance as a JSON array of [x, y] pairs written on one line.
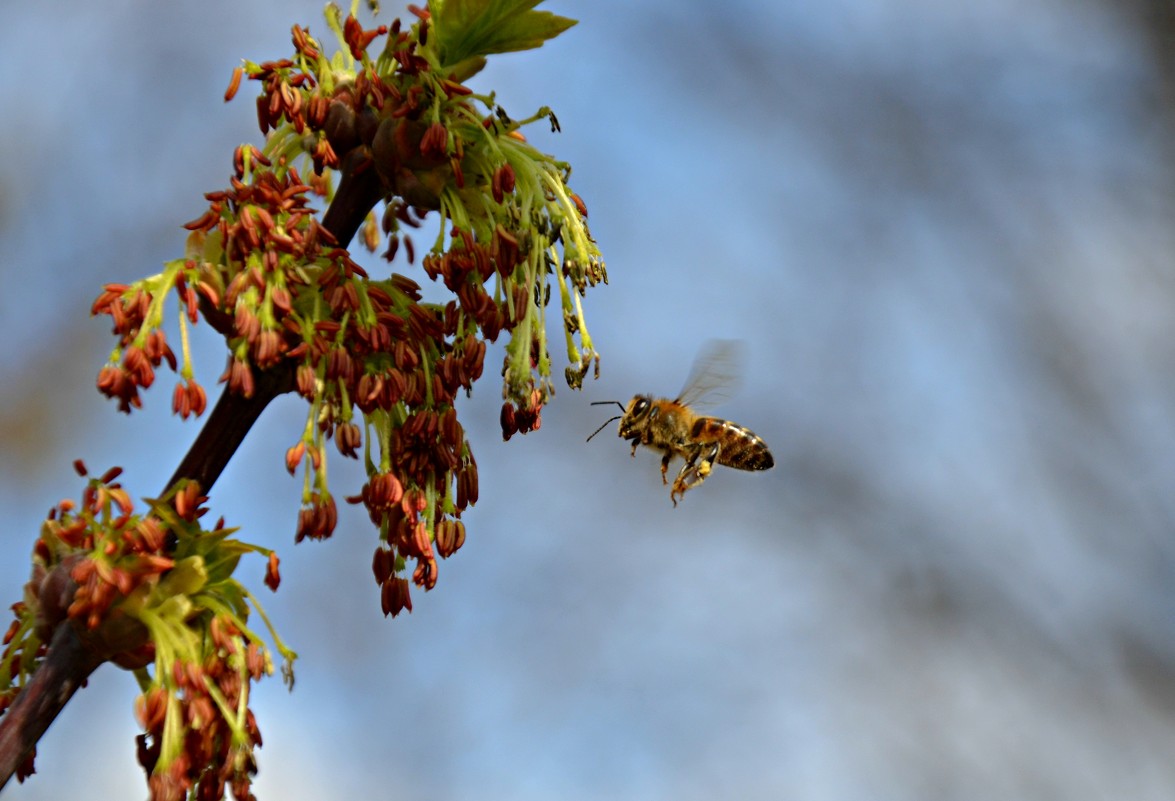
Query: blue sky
[[943, 232]]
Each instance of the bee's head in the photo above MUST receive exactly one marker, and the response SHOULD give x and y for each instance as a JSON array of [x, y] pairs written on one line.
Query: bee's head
[[634, 414]]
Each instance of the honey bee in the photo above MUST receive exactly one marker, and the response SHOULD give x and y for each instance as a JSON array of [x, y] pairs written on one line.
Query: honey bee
[[675, 429]]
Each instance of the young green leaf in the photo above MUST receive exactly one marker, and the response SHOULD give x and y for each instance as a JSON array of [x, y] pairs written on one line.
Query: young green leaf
[[468, 28]]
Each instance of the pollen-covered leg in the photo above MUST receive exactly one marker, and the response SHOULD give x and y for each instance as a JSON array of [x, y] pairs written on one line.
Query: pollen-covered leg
[[694, 471]]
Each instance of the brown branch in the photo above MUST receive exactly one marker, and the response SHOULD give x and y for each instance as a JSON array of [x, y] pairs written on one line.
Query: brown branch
[[66, 667], [226, 427], [70, 659]]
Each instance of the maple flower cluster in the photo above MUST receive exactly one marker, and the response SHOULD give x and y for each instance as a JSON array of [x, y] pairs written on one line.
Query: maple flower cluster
[[390, 119], [154, 590], [379, 367]]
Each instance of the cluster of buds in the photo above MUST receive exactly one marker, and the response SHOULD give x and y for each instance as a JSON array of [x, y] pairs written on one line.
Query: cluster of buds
[[153, 590], [372, 358], [523, 418], [203, 700]]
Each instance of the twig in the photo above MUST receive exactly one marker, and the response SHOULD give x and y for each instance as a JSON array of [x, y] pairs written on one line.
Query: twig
[[66, 667], [69, 661]]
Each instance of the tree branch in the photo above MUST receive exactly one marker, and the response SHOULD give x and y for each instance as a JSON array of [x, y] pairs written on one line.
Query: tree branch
[[66, 667], [70, 660]]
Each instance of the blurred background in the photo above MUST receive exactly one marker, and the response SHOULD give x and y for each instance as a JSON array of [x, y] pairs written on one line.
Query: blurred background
[[943, 232]]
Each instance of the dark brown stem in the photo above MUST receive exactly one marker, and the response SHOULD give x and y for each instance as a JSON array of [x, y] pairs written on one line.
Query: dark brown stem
[[69, 661], [226, 428], [358, 192], [66, 667]]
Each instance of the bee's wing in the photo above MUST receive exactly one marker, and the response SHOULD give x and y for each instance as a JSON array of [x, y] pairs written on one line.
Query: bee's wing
[[715, 374]]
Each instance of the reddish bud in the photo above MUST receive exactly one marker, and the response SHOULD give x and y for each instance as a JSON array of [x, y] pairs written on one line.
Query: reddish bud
[[306, 381], [434, 143], [450, 537], [294, 457], [509, 425], [502, 182], [233, 85], [272, 574], [197, 398], [395, 597], [580, 206], [383, 562], [384, 491], [348, 439]]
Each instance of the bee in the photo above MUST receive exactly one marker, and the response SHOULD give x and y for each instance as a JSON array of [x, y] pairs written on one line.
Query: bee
[[675, 429]]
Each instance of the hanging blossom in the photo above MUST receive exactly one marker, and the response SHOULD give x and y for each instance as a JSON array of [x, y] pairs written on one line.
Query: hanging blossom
[[379, 367]]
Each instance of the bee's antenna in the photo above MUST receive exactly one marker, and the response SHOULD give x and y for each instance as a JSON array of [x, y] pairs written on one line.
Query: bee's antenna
[[606, 422], [605, 403]]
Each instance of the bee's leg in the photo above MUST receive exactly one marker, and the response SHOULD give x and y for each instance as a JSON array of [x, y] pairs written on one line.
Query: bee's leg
[[665, 466], [635, 443], [694, 472]]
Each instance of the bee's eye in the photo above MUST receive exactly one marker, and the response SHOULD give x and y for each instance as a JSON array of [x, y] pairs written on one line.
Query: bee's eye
[[640, 406]]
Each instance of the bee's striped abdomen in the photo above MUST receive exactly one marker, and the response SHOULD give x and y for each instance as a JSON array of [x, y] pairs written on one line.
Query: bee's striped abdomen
[[740, 447]]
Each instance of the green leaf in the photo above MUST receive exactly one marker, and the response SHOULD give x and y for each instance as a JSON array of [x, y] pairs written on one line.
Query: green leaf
[[469, 28]]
